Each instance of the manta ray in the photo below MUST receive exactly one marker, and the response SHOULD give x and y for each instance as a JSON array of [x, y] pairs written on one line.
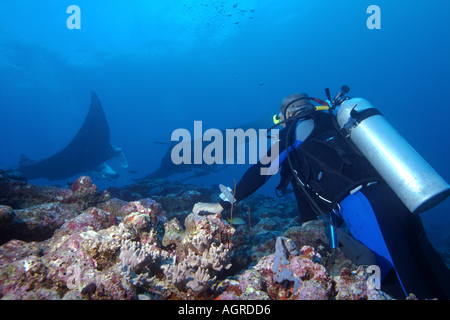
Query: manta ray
[[86, 153], [168, 168]]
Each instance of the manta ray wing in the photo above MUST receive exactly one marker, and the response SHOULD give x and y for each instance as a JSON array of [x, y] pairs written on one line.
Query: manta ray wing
[[88, 149]]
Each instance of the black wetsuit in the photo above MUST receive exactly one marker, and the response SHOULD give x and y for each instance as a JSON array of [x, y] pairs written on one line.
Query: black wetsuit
[[332, 168]]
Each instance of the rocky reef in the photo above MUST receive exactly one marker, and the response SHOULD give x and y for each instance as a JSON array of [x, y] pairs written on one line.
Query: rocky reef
[[143, 242]]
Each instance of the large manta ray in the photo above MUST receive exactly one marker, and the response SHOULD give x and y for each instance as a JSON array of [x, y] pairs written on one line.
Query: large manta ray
[[86, 153], [168, 168]]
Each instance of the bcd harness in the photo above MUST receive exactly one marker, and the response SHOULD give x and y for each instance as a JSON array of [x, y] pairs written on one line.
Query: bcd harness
[[331, 169], [326, 164]]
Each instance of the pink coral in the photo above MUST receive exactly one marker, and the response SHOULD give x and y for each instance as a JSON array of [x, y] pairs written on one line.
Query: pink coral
[[82, 184]]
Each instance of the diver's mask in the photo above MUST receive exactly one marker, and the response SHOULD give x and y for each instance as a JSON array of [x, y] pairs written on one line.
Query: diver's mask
[[277, 118], [281, 117]]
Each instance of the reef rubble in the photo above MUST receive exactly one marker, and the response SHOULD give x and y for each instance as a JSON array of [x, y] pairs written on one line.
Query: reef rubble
[[80, 243]]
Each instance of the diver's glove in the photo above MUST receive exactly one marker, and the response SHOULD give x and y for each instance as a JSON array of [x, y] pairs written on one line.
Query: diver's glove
[[227, 194]]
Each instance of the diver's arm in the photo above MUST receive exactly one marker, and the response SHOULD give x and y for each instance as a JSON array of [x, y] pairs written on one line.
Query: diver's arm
[[251, 181]]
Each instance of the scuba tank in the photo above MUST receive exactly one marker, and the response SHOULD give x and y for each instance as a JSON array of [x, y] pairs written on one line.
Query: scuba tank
[[414, 181]]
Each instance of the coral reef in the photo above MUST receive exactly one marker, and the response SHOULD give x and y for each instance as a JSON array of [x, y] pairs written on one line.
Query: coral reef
[[19, 194], [85, 245], [40, 210], [36, 223]]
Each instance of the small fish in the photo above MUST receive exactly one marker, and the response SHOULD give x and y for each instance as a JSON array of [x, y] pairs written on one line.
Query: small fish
[[237, 221], [132, 171]]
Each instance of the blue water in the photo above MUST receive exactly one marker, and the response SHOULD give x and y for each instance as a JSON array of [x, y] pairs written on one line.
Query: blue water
[[160, 65]]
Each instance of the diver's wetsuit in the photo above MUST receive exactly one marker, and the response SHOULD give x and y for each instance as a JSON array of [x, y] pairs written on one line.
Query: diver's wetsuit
[[375, 215]]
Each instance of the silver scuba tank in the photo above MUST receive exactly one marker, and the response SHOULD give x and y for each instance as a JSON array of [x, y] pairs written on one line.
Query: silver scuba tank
[[414, 181]]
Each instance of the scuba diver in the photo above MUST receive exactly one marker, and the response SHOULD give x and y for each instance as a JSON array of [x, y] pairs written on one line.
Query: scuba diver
[[342, 168]]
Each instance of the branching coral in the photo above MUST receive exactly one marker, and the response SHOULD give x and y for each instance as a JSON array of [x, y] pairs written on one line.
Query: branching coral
[[195, 271], [136, 256], [177, 274], [202, 281], [202, 255], [201, 243], [216, 258]]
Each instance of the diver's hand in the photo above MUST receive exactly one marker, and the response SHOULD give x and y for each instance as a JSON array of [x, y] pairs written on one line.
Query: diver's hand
[[205, 208]]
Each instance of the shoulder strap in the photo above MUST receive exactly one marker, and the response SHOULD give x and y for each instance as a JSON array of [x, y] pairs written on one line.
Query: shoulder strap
[[345, 135]]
